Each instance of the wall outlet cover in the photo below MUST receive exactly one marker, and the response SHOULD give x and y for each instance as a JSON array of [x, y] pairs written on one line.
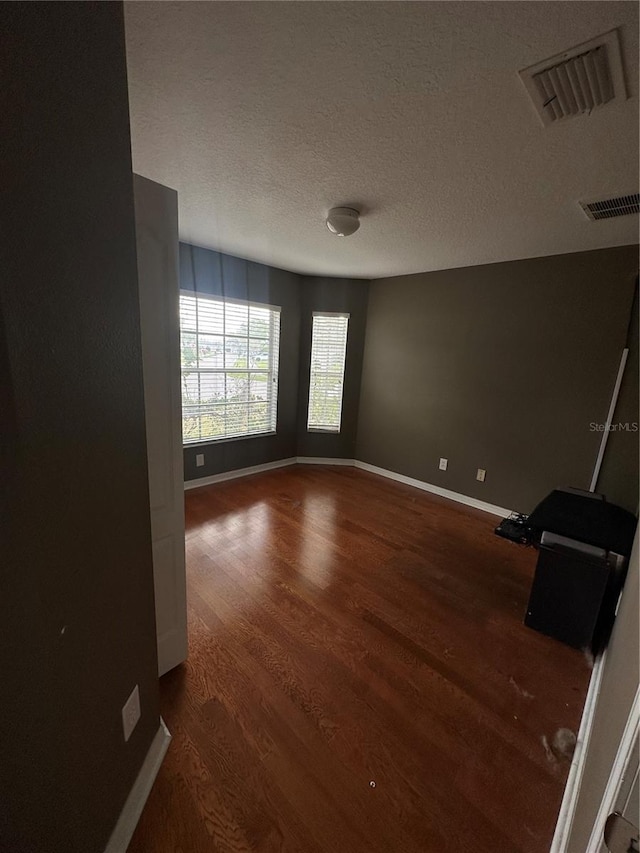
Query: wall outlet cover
[[199, 460], [443, 464], [481, 475], [131, 713]]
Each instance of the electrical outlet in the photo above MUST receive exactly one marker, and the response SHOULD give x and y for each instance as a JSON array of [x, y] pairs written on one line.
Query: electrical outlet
[[443, 464], [199, 460], [481, 475], [131, 713]]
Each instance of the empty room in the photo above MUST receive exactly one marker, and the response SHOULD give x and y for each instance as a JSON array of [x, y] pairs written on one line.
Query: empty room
[[319, 374]]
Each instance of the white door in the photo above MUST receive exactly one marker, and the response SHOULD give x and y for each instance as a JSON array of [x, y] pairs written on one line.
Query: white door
[[621, 833], [156, 210], [627, 802], [603, 777]]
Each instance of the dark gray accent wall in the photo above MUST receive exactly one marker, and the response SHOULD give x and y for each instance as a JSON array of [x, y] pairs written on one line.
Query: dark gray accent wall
[[340, 296], [502, 367], [76, 582], [619, 473], [205, 271]]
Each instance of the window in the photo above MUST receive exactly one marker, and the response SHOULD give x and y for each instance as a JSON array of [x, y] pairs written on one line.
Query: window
[[328, 351], [229, 356]]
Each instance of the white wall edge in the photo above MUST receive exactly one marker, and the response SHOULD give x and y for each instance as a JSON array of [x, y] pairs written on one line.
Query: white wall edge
[[436, 490], [130, 815], [610, 416], [567, 811], [324, 460], [238, 472], [616, 776]]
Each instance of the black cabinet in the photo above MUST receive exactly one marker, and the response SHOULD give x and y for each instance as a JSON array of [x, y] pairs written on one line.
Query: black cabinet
[[584, 544], [568, 590]]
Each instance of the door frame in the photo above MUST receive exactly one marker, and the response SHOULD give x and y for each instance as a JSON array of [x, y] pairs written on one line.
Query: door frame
[[576, 772], [621, 765], [581, 818]]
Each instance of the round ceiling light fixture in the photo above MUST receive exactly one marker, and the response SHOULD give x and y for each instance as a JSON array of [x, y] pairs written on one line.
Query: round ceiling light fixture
[[343, 221]]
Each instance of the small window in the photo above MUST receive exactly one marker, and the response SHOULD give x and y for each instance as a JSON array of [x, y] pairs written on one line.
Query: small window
[[229, 354], [328, 351]]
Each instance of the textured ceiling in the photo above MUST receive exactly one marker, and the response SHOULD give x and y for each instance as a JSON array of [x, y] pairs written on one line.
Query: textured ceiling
[[265, 114]]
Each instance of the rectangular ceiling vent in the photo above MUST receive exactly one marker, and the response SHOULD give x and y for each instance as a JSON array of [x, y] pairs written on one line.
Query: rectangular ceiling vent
[[577, 81], [610, 207]]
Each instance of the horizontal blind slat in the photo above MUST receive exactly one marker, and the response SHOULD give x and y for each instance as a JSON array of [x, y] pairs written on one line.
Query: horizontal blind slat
[[326, 379], [230, 355]]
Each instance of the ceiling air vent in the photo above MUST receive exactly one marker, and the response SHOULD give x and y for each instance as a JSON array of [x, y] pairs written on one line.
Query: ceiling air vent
[[610, 207], [577, 81]]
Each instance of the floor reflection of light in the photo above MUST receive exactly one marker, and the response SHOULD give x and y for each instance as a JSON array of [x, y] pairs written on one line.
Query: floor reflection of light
[[256, 539], [317, 552], [236, 539], [248, 521]]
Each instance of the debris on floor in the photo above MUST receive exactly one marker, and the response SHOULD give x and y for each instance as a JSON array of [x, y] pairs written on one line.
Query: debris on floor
[[519, 689], [562, 746]]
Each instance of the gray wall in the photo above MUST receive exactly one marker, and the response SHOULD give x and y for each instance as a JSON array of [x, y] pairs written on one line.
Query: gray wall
[[76, 585], [205, 271], [619, 473], [344, 296], [501, 367]]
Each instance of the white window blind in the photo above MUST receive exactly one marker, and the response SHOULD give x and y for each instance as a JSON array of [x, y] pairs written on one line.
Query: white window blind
[[328, 352], [229, 360]]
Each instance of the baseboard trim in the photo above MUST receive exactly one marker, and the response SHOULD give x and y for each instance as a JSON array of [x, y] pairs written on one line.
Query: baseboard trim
[[616, 776], [324, 460], [238, 472], [566, 815], [436, 490], [130, 815], [365, 466]]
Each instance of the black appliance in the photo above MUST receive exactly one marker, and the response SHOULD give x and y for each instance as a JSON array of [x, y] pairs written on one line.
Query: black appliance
[[584, 543]]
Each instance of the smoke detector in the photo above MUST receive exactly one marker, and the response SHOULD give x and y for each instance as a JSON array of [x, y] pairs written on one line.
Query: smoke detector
[[577, 81], [343, 221]]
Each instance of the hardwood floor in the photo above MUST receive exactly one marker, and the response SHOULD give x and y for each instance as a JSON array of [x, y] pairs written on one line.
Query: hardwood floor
[[359, 678]]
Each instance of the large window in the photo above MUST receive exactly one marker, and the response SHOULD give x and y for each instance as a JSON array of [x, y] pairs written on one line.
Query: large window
[[328, 351], [229, 356]]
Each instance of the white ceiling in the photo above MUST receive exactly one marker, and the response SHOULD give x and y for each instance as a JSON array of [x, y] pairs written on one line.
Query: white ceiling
[[265, 114]]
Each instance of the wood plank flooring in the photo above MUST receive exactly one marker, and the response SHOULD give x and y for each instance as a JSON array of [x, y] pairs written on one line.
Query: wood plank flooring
[[359, 678]]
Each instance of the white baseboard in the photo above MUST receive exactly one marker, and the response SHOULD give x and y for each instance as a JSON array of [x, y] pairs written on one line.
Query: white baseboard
[[239, 472], [578, 762], [324, 460], [500, 511], [616, 776], [436, 490], [130, 815]]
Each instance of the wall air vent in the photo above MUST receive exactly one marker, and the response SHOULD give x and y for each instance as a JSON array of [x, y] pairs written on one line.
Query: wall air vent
[[577, 81], [610, 207]]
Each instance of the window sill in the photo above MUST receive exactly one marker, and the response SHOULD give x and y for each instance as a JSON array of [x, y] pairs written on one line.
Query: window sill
[[324, 431]]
